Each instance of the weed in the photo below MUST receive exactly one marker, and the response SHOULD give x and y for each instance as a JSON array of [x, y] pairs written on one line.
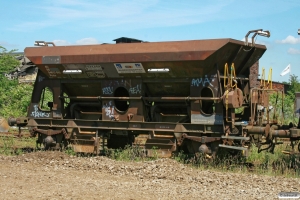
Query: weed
[[6, 145], [180, 156], [129, 153], [277, 163], [264, 162], [70, 151], [13, 146], [260, 163]]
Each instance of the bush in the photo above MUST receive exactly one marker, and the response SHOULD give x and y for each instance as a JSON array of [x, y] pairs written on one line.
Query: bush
[[14, 97]]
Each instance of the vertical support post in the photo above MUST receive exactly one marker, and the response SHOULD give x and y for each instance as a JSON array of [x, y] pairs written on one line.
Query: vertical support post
[[19, 132]]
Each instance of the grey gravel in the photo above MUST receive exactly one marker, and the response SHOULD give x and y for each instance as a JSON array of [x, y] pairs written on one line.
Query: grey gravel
[[54, 175]]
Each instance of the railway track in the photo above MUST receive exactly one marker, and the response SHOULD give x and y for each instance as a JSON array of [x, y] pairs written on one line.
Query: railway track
[[14, 135], [16, 143], [19, 147]]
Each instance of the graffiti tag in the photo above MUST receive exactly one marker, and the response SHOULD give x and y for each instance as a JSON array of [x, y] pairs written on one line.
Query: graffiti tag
[[135, 90], [41, 78], [108, 90], [109, 110], [196, 82], [37, 113]]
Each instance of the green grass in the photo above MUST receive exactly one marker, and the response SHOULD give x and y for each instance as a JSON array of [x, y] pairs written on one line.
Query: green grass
[[278, 164], [259, 163], [130, 153], [13, 146], [70, 151]]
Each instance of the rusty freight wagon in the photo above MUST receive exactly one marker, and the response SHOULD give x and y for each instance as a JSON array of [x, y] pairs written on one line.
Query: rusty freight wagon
[[182, 95]]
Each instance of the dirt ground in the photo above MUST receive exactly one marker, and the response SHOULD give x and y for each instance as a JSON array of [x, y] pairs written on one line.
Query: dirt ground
[[54, 175]]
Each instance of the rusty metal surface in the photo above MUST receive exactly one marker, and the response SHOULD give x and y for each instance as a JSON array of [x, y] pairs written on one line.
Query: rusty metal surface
[[233, 99], [48, 132], [83, 148], [159, 51], [280, 133], [202, 140], [167, 96], [182, 58], [4, 127]]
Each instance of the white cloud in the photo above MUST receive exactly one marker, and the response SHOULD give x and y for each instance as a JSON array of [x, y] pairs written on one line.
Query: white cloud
[[293, 51], [83, 41], [29, 26], [61, 42], [289, 40], [128, 14], [87, 41], [8, 45]]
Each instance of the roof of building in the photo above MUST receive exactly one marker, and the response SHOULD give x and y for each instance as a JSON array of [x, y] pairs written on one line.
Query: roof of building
[[127, 40]]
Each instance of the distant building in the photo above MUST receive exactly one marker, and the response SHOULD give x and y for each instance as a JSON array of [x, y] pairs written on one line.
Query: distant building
[[127, 40], [255, 81], [278, 86]]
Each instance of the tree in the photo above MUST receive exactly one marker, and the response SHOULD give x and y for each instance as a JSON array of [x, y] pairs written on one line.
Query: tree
[[284, 106], [295, 85], [7, 61], [14, 98]]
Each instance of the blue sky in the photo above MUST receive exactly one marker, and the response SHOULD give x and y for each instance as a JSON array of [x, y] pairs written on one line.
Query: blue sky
[[68, 22]]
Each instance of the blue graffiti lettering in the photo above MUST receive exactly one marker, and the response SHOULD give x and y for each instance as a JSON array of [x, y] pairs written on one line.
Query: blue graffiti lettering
[[196, 82], [108, 90]]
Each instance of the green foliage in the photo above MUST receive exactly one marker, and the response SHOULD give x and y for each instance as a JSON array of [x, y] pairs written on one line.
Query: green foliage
[[46, 96], [221, 162], [16, 146], [180, 156], [295, 85], [7, 144], [130, 153], [7, 62], [284, 105], [283, 108], [277, 163], [14, 97], [70, 151], [258, 163]]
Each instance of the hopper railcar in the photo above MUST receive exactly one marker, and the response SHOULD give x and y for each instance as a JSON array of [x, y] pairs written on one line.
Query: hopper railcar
[[181, 95]]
